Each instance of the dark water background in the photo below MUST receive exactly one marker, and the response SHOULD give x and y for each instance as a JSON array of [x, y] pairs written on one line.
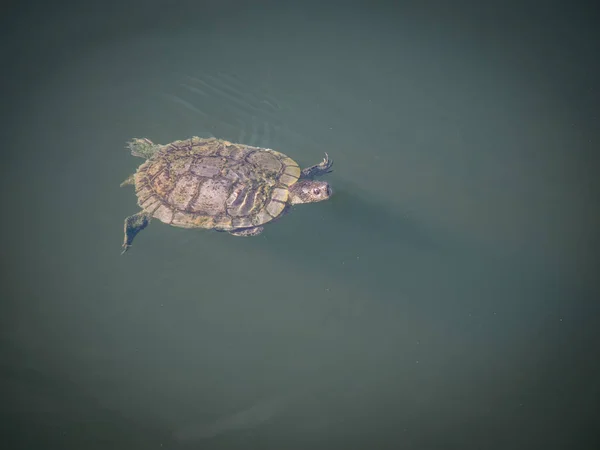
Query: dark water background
[[444, 298]]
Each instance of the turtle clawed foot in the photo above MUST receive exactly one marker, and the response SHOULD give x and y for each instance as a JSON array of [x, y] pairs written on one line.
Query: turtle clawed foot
[[319, 169], [326, 165]]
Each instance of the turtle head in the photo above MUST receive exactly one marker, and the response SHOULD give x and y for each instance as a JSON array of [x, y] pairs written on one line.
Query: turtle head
[[309, 191]]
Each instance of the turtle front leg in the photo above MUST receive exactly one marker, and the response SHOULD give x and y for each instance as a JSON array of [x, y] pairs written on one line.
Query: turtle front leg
[[133, 225], [255, 231], [319, 169]]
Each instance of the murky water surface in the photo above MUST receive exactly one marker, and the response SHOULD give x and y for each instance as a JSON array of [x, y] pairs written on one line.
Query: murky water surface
[[426, 303]]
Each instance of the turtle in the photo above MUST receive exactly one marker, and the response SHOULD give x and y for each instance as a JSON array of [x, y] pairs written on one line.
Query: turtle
[[215, 184]]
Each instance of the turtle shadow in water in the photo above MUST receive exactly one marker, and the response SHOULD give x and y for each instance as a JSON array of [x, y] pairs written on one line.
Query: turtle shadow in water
[[355, 213], [297, 405], [353, 225], [43, 407], [246, 419]]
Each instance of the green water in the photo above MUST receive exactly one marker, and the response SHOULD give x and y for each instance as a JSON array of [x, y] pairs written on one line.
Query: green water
[[434, 302]]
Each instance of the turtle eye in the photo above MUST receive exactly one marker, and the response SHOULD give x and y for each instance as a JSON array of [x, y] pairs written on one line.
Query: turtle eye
[[316, 191]]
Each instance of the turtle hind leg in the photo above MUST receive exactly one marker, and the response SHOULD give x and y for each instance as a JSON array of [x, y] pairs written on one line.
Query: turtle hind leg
[[133, 225], [129, 181], [318, 169], [254, 231], [143, 148]]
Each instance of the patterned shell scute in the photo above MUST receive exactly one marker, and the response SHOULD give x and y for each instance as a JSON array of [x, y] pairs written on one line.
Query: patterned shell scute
[[212, 183]]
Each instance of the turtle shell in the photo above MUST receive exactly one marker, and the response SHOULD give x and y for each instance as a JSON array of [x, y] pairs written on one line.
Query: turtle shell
[[212, 183]]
